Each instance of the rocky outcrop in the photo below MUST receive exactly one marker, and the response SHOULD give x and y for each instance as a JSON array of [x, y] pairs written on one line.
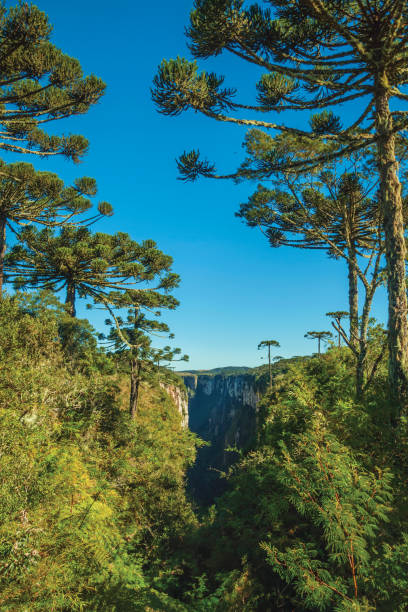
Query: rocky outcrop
[[180, 399], [222, 411]]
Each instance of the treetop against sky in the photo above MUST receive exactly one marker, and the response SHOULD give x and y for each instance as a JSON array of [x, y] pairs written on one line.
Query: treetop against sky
[[234, 288]]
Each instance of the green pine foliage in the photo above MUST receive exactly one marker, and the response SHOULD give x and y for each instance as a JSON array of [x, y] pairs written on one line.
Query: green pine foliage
[[311, 56], [103, 267], [40, 84], [315, 515], [337, 492], [27, 197], [131, 341], [91, 504]]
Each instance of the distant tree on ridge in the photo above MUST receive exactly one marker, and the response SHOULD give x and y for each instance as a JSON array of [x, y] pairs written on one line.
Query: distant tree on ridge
[[319, 336], [268, 344]]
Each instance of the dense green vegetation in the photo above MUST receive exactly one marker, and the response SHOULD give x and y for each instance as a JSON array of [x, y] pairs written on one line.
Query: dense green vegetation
[[314, 516], [317, 511], [94, 513], [92, 503]]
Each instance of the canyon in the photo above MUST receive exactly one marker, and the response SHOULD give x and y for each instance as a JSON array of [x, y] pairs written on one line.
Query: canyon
[[221, 406], [222, 411]]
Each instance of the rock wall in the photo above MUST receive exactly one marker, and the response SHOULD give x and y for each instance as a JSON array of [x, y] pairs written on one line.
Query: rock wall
[[180, 399], [222, 410]]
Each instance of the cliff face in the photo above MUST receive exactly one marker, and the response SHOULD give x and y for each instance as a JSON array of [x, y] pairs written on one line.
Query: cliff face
[[180, 399], [222, 410]]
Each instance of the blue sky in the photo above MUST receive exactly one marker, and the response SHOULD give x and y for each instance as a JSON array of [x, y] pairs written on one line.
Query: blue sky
[[235, 290]]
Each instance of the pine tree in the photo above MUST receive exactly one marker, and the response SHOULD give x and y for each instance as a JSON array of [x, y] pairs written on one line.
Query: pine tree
[[39, 84], [360, 349], [132, 338], [319, 336], [98, 266], [328, 209], [269, 343], [132, 341], [334, 208], [338, 315], [316, 56], [134, 347], [27, 196]]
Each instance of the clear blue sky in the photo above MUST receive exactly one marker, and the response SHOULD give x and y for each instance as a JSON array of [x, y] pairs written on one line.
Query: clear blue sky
[[235, 289]]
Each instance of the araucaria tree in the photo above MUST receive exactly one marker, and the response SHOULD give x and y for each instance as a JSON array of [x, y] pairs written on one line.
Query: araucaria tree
[[268, 344], [319, 336], [332, 208], [316, 56], [39, 84], [97, 266], [27, 197], [131, 339], [337, 316]]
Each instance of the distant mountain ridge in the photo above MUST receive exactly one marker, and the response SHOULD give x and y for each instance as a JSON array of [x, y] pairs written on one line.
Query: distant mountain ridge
[[237, 370], [227, 370]]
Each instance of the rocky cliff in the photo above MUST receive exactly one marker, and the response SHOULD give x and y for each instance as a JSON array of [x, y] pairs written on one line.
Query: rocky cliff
[[180, 399], [222, 411]]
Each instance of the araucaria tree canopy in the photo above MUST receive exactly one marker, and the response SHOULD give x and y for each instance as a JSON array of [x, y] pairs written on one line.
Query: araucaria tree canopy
[[39, 84], [131, 339], [316, 55], [268, 344], [319, 336], [27, 197], [98, 266], [335, 208]]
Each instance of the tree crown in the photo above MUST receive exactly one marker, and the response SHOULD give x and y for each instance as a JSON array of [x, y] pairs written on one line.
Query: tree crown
[[39, 84], [315, 55], [107, 268], [41, 197], [265, 343]]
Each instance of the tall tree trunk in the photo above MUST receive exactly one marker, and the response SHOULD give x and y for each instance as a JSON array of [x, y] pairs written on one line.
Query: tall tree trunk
[[353, 295], [270, 371], [395, 251], [3, 222], [318, 346], [360, 370], [362, 344], [70, 299], [134, 386], [362, 381]]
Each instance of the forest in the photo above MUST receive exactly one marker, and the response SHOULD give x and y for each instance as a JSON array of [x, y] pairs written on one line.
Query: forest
[[97, 511]]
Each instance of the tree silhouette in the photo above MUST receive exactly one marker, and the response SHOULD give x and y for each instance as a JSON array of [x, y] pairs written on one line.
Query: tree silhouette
[[319, 336], [268, 344], [338, 315], [316, 56], [39, 84], [27, 196]]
